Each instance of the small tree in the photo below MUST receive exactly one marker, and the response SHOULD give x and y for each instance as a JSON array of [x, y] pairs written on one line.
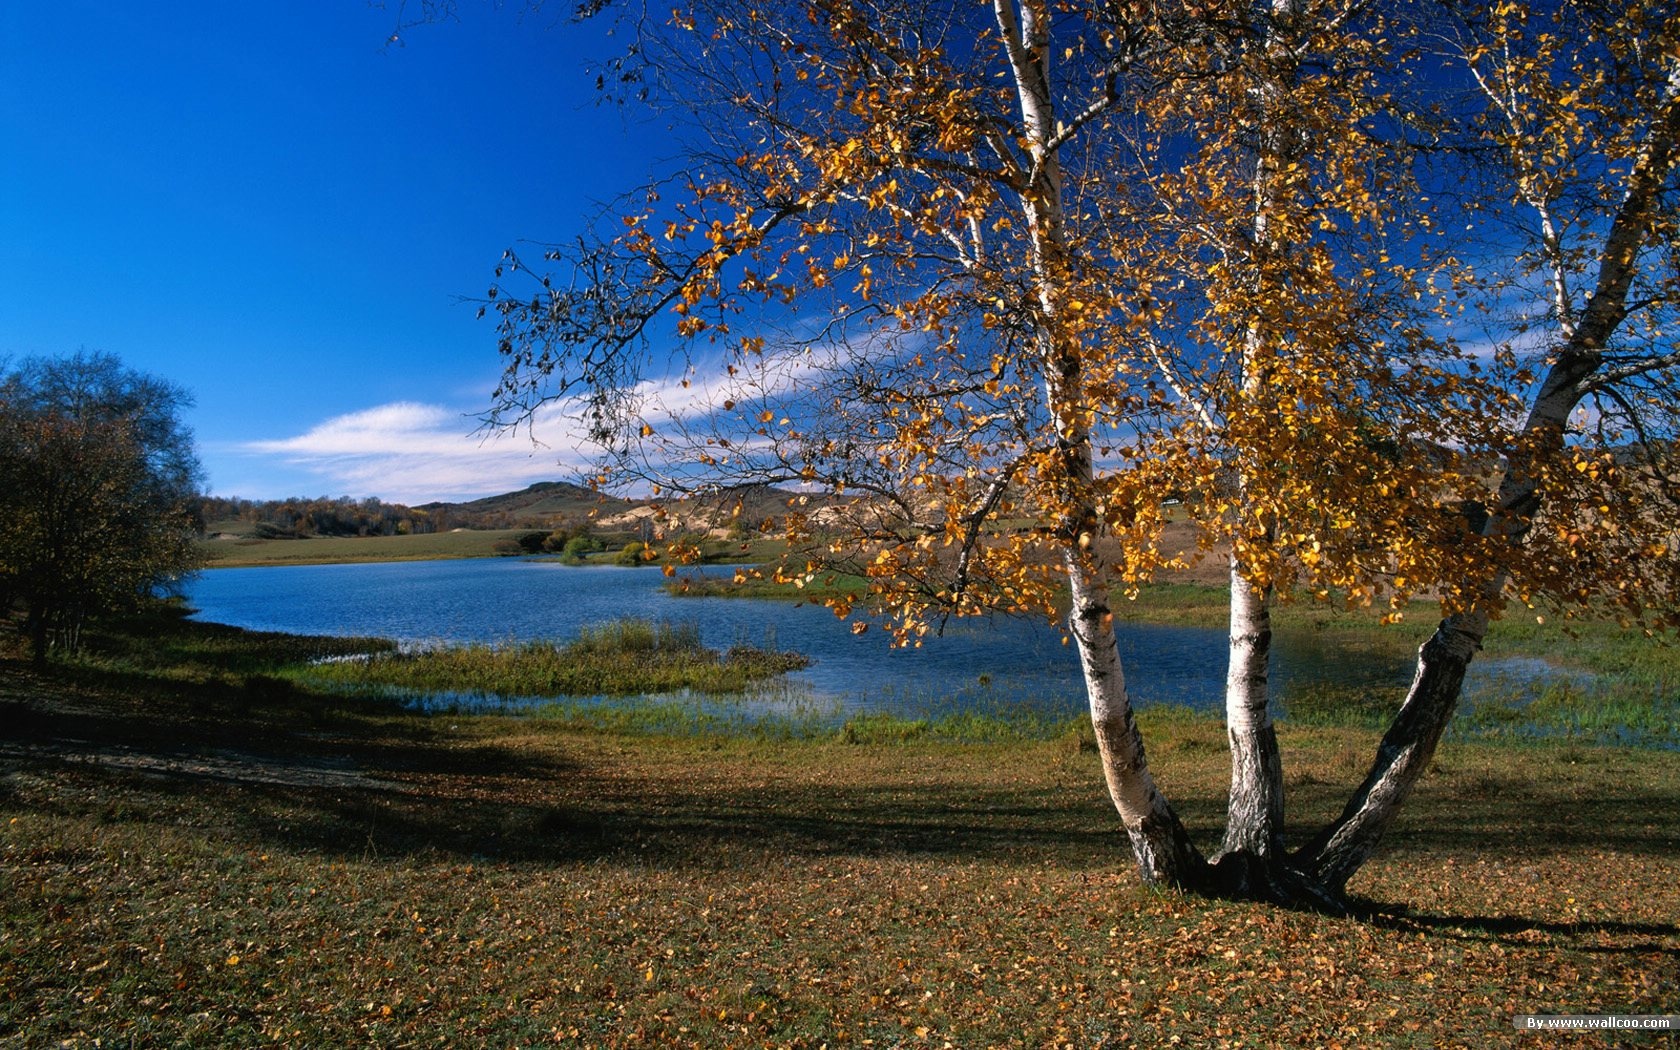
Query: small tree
[[531, 542], [579, 547], [98, 485]]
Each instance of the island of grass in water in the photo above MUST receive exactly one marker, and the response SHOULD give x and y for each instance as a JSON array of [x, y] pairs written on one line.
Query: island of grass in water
[[623, 658]]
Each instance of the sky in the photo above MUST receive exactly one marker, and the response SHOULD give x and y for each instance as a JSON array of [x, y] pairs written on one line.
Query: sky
[[281, 211]]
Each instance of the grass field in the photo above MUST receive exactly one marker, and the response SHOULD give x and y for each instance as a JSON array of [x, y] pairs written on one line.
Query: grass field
[[327, 550], [234, 551], [198, 854]]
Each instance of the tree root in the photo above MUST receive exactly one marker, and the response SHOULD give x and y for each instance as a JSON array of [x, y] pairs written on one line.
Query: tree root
[[1242, 875]]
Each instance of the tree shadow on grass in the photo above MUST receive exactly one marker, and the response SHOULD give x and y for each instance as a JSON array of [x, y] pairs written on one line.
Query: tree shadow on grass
[[1516, 930], [296, 769], [263, 772], [673, 828]]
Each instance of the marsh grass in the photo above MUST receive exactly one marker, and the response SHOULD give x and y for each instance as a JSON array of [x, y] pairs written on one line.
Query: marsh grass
[[625, 658], [1584, 680]]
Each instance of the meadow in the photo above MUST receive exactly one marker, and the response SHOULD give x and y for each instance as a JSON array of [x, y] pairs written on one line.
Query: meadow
[[199, 851], [249, 551]]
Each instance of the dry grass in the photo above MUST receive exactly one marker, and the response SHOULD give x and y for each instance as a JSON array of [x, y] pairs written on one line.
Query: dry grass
[[190, 864]]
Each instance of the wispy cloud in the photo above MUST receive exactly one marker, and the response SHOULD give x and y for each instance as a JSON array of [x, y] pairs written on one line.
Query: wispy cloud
[[414, 453]]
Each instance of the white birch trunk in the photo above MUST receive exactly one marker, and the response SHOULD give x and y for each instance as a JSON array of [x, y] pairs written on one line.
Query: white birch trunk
[[1405, 752], [1254, 810], [1164, 853], [1163, 849]]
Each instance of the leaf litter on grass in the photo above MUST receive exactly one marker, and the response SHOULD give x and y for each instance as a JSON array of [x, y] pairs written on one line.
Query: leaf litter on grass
[[500, 880]]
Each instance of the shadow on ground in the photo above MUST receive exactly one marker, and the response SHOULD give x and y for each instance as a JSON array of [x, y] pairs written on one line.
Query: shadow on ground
[[299, 771]]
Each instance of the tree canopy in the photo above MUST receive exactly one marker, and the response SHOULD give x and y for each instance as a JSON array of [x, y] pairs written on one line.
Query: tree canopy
[[1021, 275], [98, 481]]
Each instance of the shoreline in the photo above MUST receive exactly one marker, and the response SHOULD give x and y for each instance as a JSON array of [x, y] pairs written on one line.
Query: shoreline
[[1594, 676]]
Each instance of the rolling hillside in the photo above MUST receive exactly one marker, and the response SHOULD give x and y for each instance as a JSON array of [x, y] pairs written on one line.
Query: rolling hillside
[[537, 505]]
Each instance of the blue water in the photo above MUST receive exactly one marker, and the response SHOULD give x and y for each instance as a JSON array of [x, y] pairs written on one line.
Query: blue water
[[977, 664]]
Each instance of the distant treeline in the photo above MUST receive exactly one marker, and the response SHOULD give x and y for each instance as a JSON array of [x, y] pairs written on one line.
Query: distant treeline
[[327, 516]]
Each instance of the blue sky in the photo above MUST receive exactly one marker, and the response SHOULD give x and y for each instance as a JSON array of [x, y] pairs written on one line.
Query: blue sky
[[270, 207]]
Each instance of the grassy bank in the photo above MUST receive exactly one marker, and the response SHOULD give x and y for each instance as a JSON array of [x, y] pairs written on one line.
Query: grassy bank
[[189, 862]]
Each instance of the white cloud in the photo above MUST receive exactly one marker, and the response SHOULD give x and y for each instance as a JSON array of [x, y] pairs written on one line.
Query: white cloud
[[412, 452], [415, 453]]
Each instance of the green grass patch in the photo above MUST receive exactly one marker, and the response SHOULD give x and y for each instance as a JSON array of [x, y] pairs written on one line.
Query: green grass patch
[[620, 659], [964, 727]]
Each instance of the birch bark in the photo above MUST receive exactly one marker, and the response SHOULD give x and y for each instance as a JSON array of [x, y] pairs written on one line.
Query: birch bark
[[1337, 851], [1159, 841], [1254, 807]]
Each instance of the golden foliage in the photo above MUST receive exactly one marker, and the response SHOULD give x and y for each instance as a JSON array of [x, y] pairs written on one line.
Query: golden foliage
[[1049, 269]]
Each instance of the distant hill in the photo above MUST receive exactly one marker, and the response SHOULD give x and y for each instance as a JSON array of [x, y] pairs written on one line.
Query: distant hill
[[540, 504], [546, 505]]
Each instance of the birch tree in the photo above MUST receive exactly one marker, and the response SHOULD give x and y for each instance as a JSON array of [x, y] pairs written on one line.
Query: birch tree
[[1014, 275], [904, 167], [1580, 104]]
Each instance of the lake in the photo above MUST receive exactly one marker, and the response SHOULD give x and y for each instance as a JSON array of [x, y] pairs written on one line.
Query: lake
[[979, 664]]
